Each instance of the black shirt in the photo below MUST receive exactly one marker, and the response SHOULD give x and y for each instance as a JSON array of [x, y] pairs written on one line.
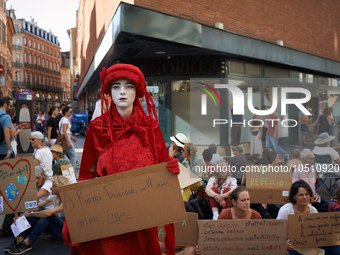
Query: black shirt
[[52, 122]]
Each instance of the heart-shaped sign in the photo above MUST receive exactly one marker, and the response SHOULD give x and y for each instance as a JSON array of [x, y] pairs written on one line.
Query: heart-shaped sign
[[15, 178]]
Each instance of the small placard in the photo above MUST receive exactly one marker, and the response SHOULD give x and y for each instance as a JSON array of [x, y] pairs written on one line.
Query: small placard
[[30, 205], [285, 193]]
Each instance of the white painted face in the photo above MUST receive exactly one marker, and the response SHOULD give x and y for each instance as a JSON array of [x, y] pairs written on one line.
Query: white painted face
[[123, 94]]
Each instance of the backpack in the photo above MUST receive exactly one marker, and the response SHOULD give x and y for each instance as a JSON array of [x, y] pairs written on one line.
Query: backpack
[[2, 134], [200, 205]]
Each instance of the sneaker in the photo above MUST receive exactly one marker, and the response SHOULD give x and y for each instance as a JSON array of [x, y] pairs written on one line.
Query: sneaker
[[11, 247], [21, 248]]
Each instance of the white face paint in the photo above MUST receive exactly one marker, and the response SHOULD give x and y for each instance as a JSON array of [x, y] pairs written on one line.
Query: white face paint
[[123, 94]]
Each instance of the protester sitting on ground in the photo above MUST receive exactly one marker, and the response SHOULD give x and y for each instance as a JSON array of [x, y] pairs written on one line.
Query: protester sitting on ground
[[215, 156], [43, 184], [193, 161], [323, 148], [237, 162], [14, 130], [197, 165], [219, 188], [295, 161], [274, 159], [306, 172], [299, 196], [176, 148], [43, 220], [253, 157], [240, 206], [334, 205], [207, 156], [265, 152], [57, 152], [42, 155]]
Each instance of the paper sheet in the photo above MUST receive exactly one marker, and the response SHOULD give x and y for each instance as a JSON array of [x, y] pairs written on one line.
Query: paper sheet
[[21, 225]]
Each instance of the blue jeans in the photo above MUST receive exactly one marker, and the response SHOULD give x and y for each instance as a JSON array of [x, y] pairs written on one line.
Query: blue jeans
[[271, 141], [71, 153], [54, 224]]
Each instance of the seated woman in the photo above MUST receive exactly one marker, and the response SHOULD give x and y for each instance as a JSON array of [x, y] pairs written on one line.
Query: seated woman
[[197, 165], [43, 219], [299, 196], [57, 152], [240, 209], [219, 188]]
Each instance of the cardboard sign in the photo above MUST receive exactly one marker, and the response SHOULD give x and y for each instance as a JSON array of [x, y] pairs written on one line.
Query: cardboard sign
[[121, 203], [18, 192], [253, 237], [268, 185], [314, 229], [68, 172], [187, 177], [186, 231]]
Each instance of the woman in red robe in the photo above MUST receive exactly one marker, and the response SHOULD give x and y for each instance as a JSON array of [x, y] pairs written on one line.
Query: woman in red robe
[[121, 139]]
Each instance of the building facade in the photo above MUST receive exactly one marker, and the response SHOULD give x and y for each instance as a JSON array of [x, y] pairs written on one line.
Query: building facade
[[37, 61], [260, 45], [66, 76], [5, 88]]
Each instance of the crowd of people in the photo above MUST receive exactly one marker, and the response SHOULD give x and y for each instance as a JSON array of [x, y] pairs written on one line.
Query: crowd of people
[[49, 157], [126, 129]]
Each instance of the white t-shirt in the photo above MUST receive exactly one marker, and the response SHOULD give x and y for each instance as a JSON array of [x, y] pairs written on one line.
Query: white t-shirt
[[288, 209], [230, 182], [215, 158], [45, 158], [62, 122], [56, 202], [46, 186]]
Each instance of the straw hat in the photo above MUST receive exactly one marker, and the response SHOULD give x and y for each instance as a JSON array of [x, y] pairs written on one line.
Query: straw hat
[[57, 148], [179, 139], [324, 138]]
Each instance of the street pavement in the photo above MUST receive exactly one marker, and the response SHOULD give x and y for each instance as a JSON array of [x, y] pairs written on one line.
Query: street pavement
[[46, 245]]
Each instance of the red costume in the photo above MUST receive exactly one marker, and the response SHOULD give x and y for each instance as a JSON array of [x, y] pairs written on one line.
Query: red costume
[[118, 145]]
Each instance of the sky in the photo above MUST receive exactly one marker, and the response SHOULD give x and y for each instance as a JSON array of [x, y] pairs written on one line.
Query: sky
[[57, 15]]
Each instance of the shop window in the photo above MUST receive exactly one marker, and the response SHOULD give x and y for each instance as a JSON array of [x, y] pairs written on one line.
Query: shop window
[[237, 66], [254, 69], [274, 72]]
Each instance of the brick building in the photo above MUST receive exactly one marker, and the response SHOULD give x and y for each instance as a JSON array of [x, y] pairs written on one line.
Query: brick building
[[36, 63], [5, 83], [66, 76], [246, 43]]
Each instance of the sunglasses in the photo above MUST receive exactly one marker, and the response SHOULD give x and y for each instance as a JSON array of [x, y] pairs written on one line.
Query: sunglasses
[[32, 139]]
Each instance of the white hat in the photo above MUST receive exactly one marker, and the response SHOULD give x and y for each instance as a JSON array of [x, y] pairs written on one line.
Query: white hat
[[38, 135], [324, 138], [179, 139]]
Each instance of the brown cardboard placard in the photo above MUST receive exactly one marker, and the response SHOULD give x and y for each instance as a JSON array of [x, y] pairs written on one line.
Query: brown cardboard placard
[[122, 203], [314, 229], [268, 185], [186, 231], [187, 177], [18, 192], [242, 237]]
